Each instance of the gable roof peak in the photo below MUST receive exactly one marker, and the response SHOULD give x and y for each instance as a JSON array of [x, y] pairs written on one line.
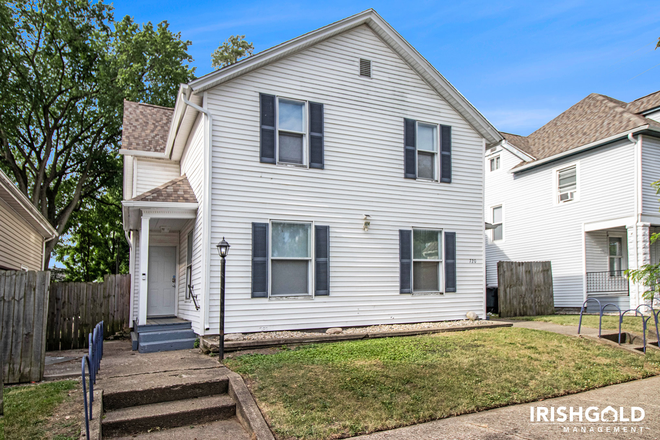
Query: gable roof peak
[[388, 35]]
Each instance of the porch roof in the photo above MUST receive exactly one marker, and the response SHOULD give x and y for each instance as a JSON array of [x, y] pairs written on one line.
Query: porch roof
[[175, 191]]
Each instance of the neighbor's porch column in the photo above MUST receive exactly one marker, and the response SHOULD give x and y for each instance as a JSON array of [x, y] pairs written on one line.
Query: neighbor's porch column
[[144, 270], [639, 254]]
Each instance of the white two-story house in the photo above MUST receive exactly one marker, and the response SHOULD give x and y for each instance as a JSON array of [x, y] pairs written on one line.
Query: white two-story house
[[344, 171], [577, 192]]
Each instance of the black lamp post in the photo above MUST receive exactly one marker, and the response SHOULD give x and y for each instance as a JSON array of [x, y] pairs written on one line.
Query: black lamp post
[[223, 250]]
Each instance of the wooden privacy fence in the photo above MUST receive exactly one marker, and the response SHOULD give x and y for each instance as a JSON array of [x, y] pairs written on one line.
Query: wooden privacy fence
[[75, 308], [23, 309], [525, 288]]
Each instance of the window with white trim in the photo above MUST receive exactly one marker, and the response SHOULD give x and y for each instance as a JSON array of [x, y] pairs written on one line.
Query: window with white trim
[[427, 259], [616, 256], [498, 230], [495, 163], [427, 151], [189, 252], [567, 184], [291, 259], [291, 131]]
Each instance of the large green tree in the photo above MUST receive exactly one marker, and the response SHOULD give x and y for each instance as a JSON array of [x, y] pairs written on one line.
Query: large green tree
[[65, 68], [233, 49]]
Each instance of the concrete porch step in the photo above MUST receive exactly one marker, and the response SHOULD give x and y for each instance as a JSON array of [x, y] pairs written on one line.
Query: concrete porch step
[[166, 415], [153, 347], [165, 326], [229, 429], [144, 389], [167, 335]]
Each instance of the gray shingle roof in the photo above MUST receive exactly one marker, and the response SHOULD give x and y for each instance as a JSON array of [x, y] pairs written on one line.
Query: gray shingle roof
[[644, 103], [175, 191], [146, 127], [594, 118]]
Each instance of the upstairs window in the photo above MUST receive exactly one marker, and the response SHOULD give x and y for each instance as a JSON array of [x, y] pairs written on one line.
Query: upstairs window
[[495, 163], [427, 151], [498, 232], [291, 132], [567, 184]]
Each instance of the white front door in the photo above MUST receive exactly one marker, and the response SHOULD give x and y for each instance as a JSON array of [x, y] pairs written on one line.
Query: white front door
[[162, 281]]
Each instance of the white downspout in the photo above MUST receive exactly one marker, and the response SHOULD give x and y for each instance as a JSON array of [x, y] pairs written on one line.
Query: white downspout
[[206, 221], [634, 295]]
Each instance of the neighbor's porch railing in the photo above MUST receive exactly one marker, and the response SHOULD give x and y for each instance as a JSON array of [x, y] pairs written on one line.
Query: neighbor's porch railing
[[611, 281]]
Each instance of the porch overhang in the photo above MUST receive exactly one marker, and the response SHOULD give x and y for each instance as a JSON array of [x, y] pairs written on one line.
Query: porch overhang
[[134, 211]]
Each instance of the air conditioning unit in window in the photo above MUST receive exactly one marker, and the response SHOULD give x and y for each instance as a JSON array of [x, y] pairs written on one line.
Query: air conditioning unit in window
[[566, 196]]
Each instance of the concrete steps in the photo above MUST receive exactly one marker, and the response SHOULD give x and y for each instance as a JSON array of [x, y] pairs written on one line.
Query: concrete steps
[[230, 429], [144, 389], [145, 418], [147, 403]]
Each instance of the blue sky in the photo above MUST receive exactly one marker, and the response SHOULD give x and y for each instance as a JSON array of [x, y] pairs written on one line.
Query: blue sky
[[521, 63]]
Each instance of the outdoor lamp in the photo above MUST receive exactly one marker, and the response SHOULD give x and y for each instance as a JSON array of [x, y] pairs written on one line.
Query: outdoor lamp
[[223, 248]]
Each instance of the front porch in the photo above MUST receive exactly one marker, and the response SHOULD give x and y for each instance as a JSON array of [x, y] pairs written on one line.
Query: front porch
[[161, 224], [609, 253]]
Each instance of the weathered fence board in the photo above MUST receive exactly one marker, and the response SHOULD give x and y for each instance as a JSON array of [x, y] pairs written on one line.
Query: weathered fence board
[[75, 308], [23, 306], [525, 288]]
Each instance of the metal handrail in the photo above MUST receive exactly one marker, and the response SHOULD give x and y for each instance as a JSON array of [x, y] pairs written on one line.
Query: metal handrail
[[193, 296], [93, 361]]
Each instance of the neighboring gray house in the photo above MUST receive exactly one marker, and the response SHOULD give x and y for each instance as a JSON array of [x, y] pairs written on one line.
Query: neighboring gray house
[[577, 192], [345, 172], [23, 231]]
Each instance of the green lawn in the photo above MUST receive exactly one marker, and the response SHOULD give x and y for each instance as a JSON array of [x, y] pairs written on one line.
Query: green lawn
[[342, 389], [28, 409], [630, 323]]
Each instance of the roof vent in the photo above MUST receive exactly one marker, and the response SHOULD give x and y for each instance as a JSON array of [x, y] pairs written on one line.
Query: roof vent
[[365, 67]]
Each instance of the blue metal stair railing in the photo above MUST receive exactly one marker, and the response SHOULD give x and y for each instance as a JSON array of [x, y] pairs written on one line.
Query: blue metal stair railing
[[93, 362]]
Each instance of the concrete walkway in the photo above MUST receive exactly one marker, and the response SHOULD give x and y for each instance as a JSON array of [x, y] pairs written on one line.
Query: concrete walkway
[[513, 422]]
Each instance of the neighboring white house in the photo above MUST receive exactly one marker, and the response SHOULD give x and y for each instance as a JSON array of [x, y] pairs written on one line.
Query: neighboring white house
[[345, 172], [577, 192], [24, 231]]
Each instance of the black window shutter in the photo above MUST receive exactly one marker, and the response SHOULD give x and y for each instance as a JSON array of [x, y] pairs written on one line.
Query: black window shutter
[[409, 149], [316, 135], [450, 261], [445, 153], [267, 145], [405, 260], [259, 260], [322, 260]]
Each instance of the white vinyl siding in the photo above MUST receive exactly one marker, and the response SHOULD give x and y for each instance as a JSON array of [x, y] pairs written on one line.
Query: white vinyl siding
[[650, 174], [186, 305], [539, 229], [20, 245], [363, 175], [137, 276], [192, 165], [152, 173]]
